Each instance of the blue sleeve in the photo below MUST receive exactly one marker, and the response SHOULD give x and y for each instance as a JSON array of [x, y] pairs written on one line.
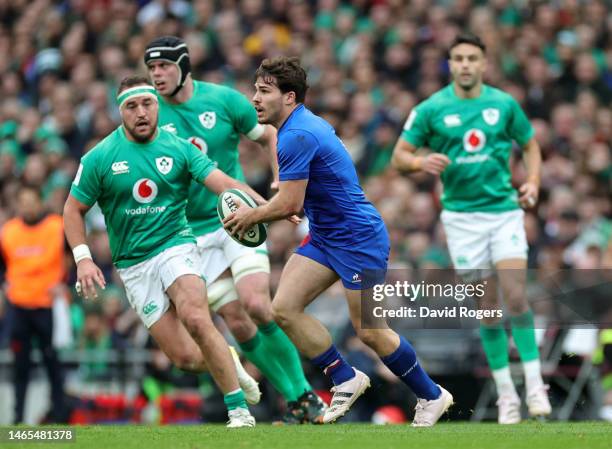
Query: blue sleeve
[[296, 149]]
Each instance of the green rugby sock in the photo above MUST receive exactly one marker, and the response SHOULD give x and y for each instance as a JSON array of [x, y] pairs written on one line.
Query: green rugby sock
[[524, 336], [495, 344], [235, 399], [257, 353], [283, 349]]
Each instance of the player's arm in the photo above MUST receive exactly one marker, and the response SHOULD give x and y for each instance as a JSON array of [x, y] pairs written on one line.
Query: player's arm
[[267, 141], [532, 156], [88, 273], [404, 159], [218, 182], [519, 128], [414, 135], [286, 203]]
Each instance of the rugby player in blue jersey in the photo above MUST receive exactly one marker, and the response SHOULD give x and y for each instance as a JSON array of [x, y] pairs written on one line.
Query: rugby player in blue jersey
[[347, 238]]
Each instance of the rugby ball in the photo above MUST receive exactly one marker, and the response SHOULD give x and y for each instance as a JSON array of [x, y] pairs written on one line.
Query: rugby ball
[[228, 203]]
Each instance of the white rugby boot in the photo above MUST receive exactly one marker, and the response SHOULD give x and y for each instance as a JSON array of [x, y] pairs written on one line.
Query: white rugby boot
[[345, 395], [427, 413], [509, 409], [240, 417], [537, 401]]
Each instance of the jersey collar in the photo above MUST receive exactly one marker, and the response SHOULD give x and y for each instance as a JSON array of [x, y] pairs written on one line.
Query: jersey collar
[[290, 116]]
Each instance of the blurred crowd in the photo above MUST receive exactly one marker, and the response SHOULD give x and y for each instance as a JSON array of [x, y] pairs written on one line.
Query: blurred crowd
[[369, 63]]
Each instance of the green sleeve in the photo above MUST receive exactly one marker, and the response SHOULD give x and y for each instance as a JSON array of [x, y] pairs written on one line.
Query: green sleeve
[[87, 182], [242, 112], [199, 165], [416, 129], [519, 127]]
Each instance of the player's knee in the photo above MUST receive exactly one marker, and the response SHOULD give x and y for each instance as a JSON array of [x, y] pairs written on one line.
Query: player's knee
[[188, 361], [257, 305], [196, 321], [189, 299], [182, 359], [282, 315], [516, 307], [237, 321]]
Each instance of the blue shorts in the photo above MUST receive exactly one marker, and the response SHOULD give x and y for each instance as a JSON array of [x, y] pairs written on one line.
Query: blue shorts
[[360, 266]]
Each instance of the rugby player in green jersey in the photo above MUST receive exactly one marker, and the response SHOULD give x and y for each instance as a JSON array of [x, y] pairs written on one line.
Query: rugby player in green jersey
[[213, 117], [469, 127], [140, 176]]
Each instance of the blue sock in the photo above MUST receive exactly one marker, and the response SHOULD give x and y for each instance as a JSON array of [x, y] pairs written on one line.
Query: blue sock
[[334, 366], [404, 364]]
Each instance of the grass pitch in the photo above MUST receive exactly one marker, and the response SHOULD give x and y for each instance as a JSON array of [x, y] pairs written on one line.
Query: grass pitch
[[529, 435]]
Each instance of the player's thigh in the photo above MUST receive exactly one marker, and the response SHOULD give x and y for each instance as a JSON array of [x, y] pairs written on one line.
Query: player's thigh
[[144, 289], [250, 271], [222, 293], [245, 261], [361, 267], [508, 237], [304, 277], [213, 261], [362, 264], [181, 278], [220, 287], [468, 240], [174, 340]]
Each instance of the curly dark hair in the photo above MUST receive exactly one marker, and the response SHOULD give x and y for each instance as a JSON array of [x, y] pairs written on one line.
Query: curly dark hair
[[286, 73]]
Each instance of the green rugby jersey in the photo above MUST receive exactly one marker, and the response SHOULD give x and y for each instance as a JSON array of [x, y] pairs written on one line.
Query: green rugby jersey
[[142, 191], [212, 119], [476, 135]]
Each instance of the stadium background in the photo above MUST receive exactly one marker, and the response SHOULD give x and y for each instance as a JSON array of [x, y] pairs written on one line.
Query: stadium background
[[369, 63]]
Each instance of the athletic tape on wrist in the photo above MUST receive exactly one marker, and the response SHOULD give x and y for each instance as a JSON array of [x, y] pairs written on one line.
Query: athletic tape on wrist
[[81, 252]]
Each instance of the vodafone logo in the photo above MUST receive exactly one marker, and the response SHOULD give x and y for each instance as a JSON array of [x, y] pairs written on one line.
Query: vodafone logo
[[144, 191], [474, 140]]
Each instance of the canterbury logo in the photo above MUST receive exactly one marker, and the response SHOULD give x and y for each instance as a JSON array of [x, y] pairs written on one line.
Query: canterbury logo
[[149, 308], [120, 167]]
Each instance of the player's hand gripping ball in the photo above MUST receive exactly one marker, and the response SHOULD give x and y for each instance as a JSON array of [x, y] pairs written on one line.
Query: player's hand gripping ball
[[228, 203]]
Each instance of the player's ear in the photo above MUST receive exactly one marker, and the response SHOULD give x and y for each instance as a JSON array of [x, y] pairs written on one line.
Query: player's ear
[[290, 98]]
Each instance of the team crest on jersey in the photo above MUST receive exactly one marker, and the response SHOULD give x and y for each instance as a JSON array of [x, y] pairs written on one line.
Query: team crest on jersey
[[199, 143], [208, 119], [144, 190], [474, 140], [490, 116], [164, 164]]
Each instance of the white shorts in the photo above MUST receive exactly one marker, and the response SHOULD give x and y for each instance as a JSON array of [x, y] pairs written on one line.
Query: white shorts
[[218, 252], [478, 240], [146, 282]]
